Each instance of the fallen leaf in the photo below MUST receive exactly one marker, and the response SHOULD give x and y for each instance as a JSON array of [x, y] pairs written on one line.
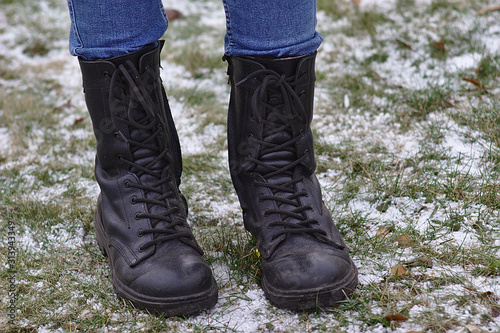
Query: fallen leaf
[[78, 121], [488, 9], [439, 45], [474, 329], [384, 231], [475, 82], [398, 270], [395, 317], [173, 14], [482, 293], [321, 168], [420, 262], [404, 241], [404, 44]]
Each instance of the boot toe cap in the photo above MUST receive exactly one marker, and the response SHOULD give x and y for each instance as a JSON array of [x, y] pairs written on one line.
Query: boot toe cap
[[307, 271], [166, 278]]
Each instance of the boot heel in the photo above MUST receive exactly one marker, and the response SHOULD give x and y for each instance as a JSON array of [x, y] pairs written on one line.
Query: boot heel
[[99, 233]]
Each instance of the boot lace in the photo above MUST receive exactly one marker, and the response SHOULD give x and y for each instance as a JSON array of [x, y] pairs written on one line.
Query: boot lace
[[133, 104], [277, 106]]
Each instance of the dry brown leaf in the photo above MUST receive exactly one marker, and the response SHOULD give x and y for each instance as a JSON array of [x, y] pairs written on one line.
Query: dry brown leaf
[[439, 45], [404, 44], [419, 262], [475, 82], [488, 9], [474, 329], [384, 231], [398, 270], [395, 317], [78, 121], [172, 14], [404, 241], [482, 293]]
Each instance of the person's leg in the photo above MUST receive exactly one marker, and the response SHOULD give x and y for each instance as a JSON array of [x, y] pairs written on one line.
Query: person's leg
[[276, 28], [140, 221], [105, 29], [271, 48]]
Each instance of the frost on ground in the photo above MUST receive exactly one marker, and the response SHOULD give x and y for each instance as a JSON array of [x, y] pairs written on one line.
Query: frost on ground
[[407, 178]]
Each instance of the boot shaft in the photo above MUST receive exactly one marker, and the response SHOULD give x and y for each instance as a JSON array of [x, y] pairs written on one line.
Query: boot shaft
[[271, 152], [123, 90], [267, 96]]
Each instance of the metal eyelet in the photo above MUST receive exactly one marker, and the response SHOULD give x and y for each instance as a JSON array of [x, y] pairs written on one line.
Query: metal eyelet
[[133, 200], [140, 233], [127, 183], [137, 216]]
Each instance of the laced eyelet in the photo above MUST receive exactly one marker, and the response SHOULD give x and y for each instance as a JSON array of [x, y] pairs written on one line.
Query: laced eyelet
[[137, 216], [141, 249], [140, 233], [266, 213], [127, 183], [133, 200]]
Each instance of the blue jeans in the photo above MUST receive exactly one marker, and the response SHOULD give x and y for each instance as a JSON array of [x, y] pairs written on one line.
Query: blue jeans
[[108, 28]]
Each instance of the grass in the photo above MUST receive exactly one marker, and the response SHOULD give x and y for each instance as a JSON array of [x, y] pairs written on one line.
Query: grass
[[408, 156]]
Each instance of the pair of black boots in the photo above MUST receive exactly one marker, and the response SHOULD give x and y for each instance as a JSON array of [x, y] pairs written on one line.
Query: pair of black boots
[[140, 220]]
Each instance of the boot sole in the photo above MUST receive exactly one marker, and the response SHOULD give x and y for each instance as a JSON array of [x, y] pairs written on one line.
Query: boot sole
[[166, 306], [315, 298]]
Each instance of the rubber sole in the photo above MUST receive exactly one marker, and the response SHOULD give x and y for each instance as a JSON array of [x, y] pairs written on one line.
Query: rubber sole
[[312, 299], [166, 306]]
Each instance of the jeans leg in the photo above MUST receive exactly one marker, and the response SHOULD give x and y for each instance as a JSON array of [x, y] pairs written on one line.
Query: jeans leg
[[104, 28], [271, 27]]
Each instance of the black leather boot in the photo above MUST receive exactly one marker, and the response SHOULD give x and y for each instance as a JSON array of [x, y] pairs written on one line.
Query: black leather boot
[[305, 262], [140, 220]]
